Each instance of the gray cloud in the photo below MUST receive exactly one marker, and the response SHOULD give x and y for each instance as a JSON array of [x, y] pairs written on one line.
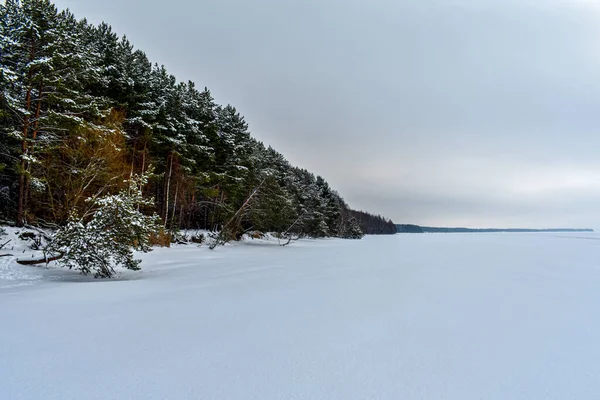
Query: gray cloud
[[477, 113]]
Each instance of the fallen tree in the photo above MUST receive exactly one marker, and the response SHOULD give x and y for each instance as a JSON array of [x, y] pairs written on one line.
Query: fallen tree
[[35, 261]]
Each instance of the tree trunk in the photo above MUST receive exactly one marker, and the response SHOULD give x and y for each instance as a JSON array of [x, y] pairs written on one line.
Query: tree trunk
[[44, 260], [174, 203], [34, 134], [168, 185], [143, 168], [22, 172], [22, 178]]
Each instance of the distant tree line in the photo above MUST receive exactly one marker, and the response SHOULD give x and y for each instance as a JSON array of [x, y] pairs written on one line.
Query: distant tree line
[[406, 228], [82, 111], [373, 224]]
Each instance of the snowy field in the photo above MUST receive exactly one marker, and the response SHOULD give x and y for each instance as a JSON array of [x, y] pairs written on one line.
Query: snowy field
[[432, 316]]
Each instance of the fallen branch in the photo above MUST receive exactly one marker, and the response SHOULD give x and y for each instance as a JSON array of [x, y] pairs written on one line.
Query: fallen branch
[[223, 235], [290, 240], [44, 260], [5, 255], [294, 223], [38, 230], [291, 237]]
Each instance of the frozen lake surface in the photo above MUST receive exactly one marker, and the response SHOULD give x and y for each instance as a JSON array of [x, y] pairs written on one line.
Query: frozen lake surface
[[431, 316]]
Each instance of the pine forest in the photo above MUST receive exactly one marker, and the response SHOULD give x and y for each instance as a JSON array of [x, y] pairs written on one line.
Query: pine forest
[[83, 114]]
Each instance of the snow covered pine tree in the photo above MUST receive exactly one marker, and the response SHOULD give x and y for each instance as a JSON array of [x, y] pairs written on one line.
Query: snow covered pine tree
[[107, 235]]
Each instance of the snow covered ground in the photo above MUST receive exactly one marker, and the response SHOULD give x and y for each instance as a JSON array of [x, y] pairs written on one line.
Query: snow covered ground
[[433, 316]]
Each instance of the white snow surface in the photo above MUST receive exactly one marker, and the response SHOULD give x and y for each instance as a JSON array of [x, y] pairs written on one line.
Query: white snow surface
[[411, 316]]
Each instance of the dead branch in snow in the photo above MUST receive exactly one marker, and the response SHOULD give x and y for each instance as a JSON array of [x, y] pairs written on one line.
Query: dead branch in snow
[[44, 260]]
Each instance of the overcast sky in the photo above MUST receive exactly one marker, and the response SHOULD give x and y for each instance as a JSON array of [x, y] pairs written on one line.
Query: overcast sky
[[448, 113]]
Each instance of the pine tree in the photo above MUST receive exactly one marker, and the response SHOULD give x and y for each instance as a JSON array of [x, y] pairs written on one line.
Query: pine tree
[[106, 237], [351, 230], [10, 88], [50, 70]]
